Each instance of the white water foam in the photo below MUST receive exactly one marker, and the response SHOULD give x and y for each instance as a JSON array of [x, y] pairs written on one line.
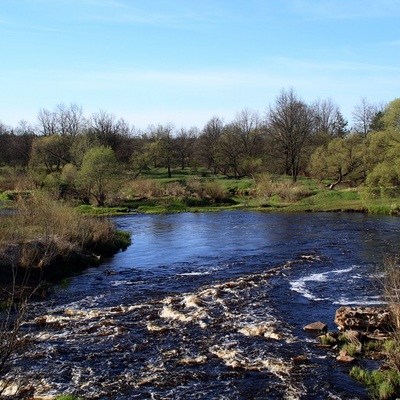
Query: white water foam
[[301, 285]]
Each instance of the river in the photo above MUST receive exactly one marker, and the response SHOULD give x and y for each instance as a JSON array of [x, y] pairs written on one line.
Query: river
[[211, 306]]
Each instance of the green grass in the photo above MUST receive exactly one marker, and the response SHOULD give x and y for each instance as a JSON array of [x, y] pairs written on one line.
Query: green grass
[[331, 200], [102, 211], [169, 195], [382, 384]]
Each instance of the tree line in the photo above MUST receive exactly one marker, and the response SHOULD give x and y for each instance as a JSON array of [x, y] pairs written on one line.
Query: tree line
[[292, 137]]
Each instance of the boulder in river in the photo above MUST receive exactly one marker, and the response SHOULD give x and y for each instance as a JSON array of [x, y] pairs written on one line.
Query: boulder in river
[[344, 357], [316, 327], [363, 319]]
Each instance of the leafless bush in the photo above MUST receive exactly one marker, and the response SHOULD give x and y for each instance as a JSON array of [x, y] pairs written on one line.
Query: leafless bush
[[14, 301], [174, 189], [288, 191], [147, 188], [265, 185], [391, 290], [214, 190], [391, 287], [291, 192], [195, 186]]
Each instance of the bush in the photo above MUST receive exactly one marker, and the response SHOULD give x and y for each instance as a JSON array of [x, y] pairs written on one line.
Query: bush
[[215, 191], [287, 190], [147, 188], [383, 384], [46, 235]]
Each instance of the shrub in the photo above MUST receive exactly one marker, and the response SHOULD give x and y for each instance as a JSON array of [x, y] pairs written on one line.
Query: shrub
[[351, 349], [287, 190], [42, 232], [215, 191], [383, 384], [147, 188]]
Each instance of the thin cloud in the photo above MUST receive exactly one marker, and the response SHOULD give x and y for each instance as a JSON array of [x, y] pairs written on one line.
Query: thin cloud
[[333, 65], [344, 10], [167, 13]]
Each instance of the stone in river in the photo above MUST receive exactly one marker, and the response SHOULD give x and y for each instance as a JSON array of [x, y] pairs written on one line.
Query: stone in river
[[316, 327]]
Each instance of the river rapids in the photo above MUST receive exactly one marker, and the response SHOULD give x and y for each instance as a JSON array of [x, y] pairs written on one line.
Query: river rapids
[[218, 318]]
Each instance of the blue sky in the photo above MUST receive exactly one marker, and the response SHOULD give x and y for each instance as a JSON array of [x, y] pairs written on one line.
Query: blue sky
[[184, 61]]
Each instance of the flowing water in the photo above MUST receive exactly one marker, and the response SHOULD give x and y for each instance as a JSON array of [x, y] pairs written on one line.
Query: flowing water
[[211, 306]]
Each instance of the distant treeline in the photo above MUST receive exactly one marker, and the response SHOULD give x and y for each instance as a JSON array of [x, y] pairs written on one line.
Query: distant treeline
[[291, 137]]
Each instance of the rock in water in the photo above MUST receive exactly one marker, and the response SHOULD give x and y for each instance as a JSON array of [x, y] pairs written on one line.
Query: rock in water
[[316, 327], [363, 319]]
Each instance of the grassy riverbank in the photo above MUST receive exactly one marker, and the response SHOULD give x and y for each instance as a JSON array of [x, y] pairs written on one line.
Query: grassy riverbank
[[44, 240], [202, 192]]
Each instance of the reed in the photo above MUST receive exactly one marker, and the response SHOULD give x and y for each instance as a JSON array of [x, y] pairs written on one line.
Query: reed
[[45, 235]]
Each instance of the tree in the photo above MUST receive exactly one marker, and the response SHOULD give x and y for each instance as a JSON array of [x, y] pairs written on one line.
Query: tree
[[290, 124], [329, 121], [70, 119], [208, 143], [231, 151], [391, 117], [184, 144], [98, 171], [363, 115], [249, 128], [162, 146], [338, 160], [51, 152], [47, 122], [384, 149]]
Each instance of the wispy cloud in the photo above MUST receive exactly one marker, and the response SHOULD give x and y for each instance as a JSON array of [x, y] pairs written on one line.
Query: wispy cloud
[[345, 10], [161, 13], [333, 65], [392, 43]]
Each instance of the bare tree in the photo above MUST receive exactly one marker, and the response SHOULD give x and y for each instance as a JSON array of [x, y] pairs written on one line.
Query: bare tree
[[290, 124], [184, 144], [208, 143], [70, 119], [249, 128], [47, 122], [231, 150], [329, 120], [363, 116]]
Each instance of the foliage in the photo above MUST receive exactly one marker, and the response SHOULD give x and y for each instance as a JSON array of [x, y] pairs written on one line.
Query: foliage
[[383, 384], [98, 171], [341, 158]]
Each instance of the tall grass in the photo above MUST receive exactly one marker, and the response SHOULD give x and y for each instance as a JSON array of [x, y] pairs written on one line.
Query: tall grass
[[384, 383], [41, 231], [287, 190]]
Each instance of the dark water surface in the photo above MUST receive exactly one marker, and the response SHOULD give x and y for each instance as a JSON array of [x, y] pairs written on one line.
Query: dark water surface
[[211, 306]]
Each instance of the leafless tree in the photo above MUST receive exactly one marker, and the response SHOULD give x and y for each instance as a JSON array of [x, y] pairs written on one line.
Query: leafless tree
[[329, 120], [363, 115], [231, 150], [47, 122], [208, 143], [184, 144], [70, 119], [249, 128], [290, 123]]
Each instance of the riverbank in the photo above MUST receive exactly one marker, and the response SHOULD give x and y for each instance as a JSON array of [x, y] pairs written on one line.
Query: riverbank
[[345, 200], [43, 241]]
